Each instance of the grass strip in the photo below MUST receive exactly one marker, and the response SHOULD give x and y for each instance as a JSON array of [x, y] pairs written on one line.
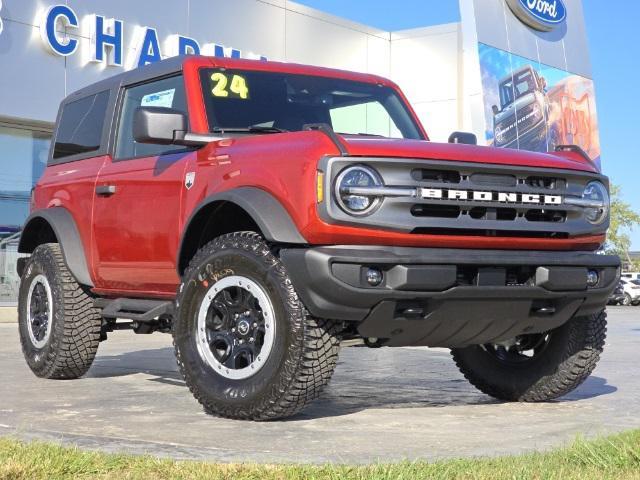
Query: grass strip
[[614, 457]]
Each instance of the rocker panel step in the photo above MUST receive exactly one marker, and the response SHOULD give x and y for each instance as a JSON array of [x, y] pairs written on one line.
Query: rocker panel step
[[134, 308]]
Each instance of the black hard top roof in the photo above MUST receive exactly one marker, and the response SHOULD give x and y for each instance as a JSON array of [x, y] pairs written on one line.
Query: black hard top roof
[[137, 75]]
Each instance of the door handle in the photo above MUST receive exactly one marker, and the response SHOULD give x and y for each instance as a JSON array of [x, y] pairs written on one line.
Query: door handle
[[105, 190]]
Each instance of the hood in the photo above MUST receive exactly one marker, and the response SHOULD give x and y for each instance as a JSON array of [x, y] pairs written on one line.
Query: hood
[[400, 148]]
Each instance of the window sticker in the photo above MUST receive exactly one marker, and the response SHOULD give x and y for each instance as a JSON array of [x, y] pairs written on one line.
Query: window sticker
[[222, 88], [159, 99]]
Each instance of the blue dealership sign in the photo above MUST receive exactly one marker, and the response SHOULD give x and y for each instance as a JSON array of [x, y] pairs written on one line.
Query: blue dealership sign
[[106, 40], [543, 15]]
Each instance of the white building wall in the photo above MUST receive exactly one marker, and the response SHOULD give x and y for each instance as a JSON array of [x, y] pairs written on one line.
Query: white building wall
[[425, 63], [33, 81]]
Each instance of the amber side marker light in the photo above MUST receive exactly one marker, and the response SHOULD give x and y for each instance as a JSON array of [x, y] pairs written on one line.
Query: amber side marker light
[[320, 186]]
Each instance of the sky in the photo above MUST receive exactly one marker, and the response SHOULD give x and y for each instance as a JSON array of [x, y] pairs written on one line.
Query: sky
[[612, 27]]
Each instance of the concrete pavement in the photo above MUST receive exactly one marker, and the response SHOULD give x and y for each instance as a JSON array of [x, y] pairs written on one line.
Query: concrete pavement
[[383, 404], [8, 314]]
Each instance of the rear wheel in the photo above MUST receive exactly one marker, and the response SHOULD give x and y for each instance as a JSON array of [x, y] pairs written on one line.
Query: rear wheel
[[536, 367], [626, 301], [58, 323], [245, 345]]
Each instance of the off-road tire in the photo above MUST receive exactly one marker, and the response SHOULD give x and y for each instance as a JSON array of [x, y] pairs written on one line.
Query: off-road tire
[[76, 323], [570, 357], [305, 349]]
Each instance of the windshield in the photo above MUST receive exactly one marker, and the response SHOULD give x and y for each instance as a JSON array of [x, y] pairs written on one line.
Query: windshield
[[525, 83], [273, 102]]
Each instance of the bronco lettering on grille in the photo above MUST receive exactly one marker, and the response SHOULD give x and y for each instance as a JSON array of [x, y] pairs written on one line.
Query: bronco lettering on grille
[[485, 196]]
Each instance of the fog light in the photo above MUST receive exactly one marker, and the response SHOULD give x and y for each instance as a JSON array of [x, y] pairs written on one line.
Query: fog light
[[374, 277], [592, 278]]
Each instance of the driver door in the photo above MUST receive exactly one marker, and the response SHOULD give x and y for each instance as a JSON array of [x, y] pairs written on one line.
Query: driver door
[[138, 197]]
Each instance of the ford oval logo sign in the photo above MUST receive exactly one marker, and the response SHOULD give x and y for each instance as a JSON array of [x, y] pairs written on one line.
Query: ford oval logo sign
[[543, 15]]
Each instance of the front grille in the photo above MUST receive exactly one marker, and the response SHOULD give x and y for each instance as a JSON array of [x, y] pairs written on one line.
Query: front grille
[[484, 213], [435, 211], [555, 216], [467, 232], [516, 125], [548, 183], [473, 215], [493, 180], [504, 209], [439, 176]]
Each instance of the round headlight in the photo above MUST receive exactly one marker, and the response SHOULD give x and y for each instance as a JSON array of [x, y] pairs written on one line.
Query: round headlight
[[351, 186], [596, 192]]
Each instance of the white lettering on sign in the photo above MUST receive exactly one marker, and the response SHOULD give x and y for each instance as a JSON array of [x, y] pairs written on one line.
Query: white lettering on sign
[[543, 7], [543, 15]]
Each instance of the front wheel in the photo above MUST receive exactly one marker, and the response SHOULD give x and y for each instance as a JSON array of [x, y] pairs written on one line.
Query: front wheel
[[245, 344], [536, 367], [626, 301]]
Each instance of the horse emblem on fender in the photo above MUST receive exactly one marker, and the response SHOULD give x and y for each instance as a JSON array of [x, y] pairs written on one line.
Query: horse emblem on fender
[[189, 180]]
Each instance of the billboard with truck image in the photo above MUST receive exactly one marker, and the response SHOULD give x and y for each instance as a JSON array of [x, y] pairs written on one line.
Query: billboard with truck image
[[532, 106]]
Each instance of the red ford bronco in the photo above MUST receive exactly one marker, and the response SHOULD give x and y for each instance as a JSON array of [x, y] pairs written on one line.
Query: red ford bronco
[[266, 213]]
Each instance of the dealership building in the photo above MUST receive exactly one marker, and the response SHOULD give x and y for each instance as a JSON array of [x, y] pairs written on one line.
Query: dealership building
[[514, 72]]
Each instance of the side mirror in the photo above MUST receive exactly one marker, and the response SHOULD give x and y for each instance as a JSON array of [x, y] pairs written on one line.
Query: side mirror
[[159, 125], [463, 137], [495, 110]]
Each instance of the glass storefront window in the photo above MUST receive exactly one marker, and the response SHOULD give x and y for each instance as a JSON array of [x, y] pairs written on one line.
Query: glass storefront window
[[24, 158]]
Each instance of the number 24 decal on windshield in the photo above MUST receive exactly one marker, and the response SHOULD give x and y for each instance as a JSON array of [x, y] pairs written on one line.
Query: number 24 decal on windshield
[[237, 89]]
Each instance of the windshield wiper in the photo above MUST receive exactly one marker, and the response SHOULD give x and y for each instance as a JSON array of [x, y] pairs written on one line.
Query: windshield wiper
[[251, 129], [263, 129], [366, 135]]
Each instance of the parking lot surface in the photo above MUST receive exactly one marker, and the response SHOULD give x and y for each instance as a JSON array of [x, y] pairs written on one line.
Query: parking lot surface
[[382, 405]]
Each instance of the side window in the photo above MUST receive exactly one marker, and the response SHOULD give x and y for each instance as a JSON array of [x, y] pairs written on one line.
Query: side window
[[168, 92], [80, 126]]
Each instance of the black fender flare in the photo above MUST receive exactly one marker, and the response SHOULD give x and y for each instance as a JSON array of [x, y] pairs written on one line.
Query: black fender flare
[[66, 231], [267, 212]]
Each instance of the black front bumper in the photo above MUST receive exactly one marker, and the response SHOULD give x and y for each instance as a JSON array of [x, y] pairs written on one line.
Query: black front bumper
[[446, 297]]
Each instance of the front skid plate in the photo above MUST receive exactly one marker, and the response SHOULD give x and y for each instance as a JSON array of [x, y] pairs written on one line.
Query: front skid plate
[[464, 322]]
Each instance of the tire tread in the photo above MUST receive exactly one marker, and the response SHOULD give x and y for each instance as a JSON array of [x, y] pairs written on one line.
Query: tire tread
[[586, 341], [72, 353], [318, 341]]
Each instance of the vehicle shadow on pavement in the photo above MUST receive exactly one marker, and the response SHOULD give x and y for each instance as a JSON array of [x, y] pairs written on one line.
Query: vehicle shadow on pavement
[[159, 363], [591, 388], [352, 389], [337, 401]]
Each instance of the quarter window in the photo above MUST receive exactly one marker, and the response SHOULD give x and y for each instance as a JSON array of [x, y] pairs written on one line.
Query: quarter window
[[168, 92], [80, 126]]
